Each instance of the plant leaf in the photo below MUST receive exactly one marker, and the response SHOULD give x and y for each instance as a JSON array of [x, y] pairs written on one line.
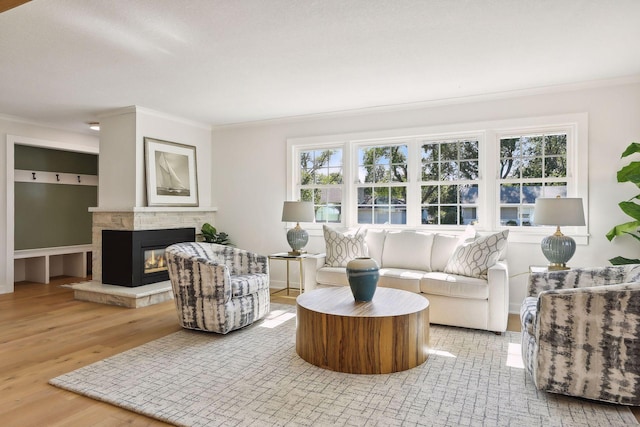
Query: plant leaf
[[630, 173], [623, 261], [634, 147], [631, 208], [620, 229]]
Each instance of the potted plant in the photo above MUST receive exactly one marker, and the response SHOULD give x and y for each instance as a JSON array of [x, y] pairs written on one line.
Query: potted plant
[[629, 173], [210, 235]]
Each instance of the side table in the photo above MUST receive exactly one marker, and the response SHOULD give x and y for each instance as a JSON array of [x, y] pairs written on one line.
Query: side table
[[284, 256]]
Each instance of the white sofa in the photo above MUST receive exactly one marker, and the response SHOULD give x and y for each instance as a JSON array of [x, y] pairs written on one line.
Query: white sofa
[[417, 261]]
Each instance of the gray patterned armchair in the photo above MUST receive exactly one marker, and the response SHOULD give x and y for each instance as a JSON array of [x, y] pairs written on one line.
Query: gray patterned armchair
[[581, 332], [217, 288]]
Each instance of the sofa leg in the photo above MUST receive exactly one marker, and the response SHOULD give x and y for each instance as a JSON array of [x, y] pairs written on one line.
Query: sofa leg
[[498, 333]]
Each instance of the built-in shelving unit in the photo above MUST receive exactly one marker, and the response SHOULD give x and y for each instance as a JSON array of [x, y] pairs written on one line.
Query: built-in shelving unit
[[39, 265]]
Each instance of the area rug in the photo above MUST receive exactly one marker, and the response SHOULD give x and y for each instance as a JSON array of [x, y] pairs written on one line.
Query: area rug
[[253, 377]]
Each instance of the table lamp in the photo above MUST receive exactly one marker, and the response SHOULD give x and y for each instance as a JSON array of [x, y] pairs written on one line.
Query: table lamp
[[297, 212], [558, 248]]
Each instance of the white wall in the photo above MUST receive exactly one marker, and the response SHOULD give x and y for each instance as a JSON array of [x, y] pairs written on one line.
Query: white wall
[[9, 126], [122, 162], [249, 167]]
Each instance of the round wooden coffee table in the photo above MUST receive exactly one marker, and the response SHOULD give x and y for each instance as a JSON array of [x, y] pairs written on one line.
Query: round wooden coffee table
[[388, 334]]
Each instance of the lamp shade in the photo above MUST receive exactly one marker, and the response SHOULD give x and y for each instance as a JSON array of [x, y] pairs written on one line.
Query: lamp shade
[[558, 211], [298, 212]]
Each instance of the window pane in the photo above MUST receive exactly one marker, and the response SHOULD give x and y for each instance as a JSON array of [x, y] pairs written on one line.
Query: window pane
[[555, 189], [469, 215], [531, 145], [509, 193], [468, 150], [449, 194], [430, 172], [430, 153], [449, 171], [555, 167], [449, 151], [555, 145], [530, 192], [430, 215], [468, 193], [449, 215], [398, 215], [526, 216], [429, 194], [509, 216], [469, 170], [532, 167], [365, 196], [510, 168], [509, 147]]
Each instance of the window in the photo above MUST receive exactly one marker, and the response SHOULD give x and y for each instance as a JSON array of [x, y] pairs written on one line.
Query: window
[[444, 177], [320, 182], [530, 166], [382, 184], [449, 187]]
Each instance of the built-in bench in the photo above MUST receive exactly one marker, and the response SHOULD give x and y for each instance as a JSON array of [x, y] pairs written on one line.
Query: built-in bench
[[38, 265]]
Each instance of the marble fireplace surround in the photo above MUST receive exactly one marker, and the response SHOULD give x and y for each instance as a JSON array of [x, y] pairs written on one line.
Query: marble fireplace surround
[[143, 218]]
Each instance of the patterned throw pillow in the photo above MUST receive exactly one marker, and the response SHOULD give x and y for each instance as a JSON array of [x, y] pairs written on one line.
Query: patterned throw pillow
[[473, 259], [343, 247]]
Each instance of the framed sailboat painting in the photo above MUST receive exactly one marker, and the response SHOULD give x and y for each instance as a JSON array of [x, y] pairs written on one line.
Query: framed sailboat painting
[[172, 178]]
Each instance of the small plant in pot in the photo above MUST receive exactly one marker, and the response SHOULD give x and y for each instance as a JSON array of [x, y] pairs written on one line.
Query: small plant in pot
[[210, 235]]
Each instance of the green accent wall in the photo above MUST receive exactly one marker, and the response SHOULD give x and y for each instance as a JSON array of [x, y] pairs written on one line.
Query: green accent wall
[[45, 159], [51, 215]]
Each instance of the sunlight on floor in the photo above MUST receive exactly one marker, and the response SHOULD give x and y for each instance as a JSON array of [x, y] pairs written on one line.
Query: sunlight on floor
[[441, 353], [276, 318], [514, 356]]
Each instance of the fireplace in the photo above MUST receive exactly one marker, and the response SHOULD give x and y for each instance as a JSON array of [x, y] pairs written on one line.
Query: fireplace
[[136, 258]]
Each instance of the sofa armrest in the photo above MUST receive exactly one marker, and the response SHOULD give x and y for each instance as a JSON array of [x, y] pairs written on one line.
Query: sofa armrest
[[588, 342], [576, 278], [312, 263], [498, 281]]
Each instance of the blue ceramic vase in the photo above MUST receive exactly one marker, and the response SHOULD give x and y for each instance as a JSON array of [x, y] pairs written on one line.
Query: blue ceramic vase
[[363, 275]]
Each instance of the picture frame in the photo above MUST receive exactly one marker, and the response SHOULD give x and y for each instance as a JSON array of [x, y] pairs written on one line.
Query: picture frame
[[171, 173]]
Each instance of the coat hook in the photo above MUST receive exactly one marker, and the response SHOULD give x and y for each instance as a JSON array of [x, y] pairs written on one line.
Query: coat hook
[[58, 177], [78, 178], [34, 175]]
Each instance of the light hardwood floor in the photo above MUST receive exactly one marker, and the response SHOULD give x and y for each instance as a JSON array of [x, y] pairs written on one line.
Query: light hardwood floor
[[44, 333]]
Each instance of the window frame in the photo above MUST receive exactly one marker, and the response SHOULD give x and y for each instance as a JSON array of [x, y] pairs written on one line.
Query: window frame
[[488, 135]]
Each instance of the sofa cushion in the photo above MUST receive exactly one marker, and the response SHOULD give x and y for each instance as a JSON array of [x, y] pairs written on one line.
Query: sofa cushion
[[343, 247], [443, 247], [445, 244], [332, 276], [407, 249], [375, 242], [452, 285], [473, 259], [400, 278]]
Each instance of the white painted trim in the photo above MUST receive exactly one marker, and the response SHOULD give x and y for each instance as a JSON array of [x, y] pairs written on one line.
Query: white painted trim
[[12, 141]]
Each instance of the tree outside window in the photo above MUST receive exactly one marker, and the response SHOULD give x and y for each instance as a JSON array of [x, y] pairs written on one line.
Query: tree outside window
[[321, 181], [530, 166], [382, 188], [449, 190]]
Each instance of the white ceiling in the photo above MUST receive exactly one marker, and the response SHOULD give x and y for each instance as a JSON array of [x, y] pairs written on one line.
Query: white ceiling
[[63, 62]]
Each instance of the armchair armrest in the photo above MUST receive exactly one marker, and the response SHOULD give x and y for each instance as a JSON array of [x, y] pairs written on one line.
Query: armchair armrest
[[588, 342], [576, 278], [240, 261]]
